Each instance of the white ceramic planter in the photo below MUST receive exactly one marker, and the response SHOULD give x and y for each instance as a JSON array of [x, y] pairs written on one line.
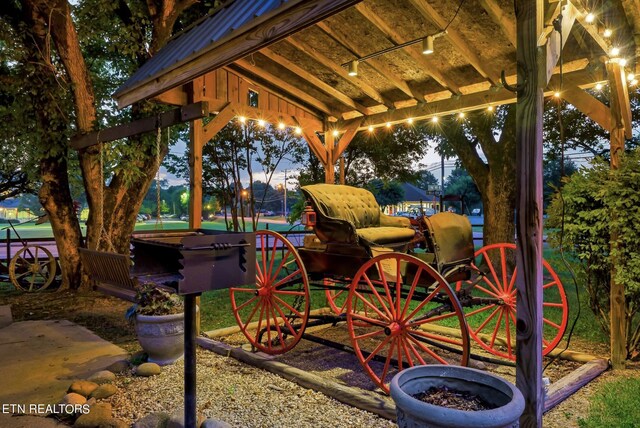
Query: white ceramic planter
[[161, 337], [414, 413]]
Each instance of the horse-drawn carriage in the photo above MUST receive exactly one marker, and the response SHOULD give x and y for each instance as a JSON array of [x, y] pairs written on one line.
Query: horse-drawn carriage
[[409, 293]]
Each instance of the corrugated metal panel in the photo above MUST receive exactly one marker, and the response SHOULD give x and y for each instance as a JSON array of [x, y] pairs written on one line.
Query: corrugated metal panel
[[205, 33]]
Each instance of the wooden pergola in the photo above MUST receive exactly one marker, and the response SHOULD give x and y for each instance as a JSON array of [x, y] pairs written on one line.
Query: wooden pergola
[[331, 68]]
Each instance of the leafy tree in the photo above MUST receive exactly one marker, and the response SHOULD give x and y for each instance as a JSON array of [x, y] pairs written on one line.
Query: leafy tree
[[426, 179], [552, 176], [386, 192], [485, 145], [594, 202], [460, 183], [386, 155]]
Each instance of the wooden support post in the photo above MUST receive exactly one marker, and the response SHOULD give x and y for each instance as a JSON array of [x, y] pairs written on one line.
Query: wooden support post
[[341, 169], [529, 23], [196, 137], [329, 167], [616, 296]]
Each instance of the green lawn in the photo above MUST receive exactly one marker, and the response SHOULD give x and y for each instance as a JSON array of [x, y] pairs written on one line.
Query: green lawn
[[614, 405]]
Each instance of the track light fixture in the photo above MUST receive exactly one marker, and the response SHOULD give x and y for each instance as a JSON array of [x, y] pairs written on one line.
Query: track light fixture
[[427, 45], [353, 67]]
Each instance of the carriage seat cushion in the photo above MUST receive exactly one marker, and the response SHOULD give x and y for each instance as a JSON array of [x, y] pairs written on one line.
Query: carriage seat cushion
[[350, 214]]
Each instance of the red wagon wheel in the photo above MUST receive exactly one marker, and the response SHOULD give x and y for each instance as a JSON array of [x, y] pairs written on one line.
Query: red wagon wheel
[[413, 317], [493, 325], [273, 313]]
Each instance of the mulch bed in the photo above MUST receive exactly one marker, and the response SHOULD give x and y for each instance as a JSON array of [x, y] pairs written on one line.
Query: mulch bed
[[452, 399]]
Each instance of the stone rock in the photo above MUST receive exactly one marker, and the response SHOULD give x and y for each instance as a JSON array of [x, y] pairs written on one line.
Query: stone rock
[[214, 423], [104, 391], [98, 415], [73, 398], [148, 369], [114, 423], [152, 420], [91, 401], [177, 419], [103, 376], [120, 366], [83, 387]]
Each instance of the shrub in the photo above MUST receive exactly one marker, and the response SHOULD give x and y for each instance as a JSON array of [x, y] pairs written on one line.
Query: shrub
[[595, 203]]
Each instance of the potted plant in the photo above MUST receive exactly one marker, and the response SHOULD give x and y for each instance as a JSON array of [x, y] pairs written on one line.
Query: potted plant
[[499, 402], [159, 323]]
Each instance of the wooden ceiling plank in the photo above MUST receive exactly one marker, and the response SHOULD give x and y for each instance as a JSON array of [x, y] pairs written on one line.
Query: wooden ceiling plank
[[217, 123], [350, 130], [428, 66], [498, 16], [340, 71], [376, 64], [456, 39], [588, 105], [470, 102], [314, 81], [285, 86]]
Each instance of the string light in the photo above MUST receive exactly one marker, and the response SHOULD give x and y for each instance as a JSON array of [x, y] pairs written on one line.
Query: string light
[[242, 119], [598, 86], [260, 122], [388, 125], [410, 120], [434, 119], [615, 51], [335, 133], [490, 108], [281, 125], [631, 76], [461, 115], [370, 128], [297, 130], [634, 82], [607, 32], [590, 18], [622, 62], [556, 94]]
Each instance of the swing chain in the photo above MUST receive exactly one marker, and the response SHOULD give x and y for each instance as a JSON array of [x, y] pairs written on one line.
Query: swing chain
[[159, 224]]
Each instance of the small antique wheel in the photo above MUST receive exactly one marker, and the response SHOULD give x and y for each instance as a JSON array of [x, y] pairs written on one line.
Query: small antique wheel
[[413, 317], [492, 325], [273, 313], [32, 268]]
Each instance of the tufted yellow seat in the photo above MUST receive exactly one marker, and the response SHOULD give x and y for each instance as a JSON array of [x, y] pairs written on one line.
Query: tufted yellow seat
[[352, 215]]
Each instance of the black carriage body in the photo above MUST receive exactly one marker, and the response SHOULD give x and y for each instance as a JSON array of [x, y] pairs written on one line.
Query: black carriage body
[[197, 260]]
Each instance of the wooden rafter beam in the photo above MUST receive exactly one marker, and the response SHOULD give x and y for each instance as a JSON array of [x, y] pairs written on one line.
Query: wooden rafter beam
[[340, 71], [427, 65], [314, 81], [217, 123], [590, 28], [287, 87], [555, 44], [374, 63], [506, 24], [176, 96], [187, 113], [588, 105], [456, 39], [474, 101], [350, 129]]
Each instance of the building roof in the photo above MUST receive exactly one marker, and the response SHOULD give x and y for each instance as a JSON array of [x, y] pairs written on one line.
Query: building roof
[[413, 193], [10, 203]]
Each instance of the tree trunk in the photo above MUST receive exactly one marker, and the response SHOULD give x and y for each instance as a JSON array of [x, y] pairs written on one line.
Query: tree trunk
[[498, 199], [56, 199]]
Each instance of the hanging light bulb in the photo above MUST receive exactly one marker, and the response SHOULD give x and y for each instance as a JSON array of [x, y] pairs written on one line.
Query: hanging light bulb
[[631, 76], [607, 32], [281, 125], [260, 122], [335, 133], [622, 62], [590, 18], [615, 51], [556, 94], [242, 119], [298, 130], [490, 108], [461, 115], [388, 125], [434, 119], [598, 86], [370, 128], [410, 121]]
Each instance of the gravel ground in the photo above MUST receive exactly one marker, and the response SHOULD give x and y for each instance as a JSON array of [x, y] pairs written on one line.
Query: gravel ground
[[239, 394]]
